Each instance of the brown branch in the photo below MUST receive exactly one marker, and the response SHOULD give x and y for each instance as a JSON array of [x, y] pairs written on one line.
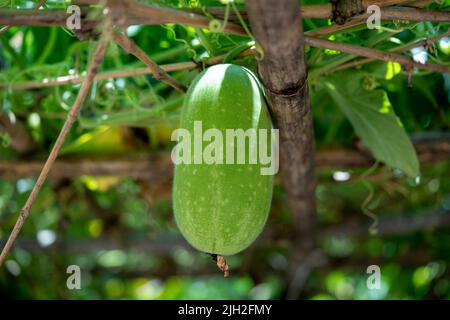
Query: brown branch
[[151, 15], [283, 73], [36, 8], [334, 28], [168, 15], [407, 62], [356, 22], [158, 73], [324, 11], [417, 44], [411, 14], [312, 11], [159, 168], [97, 58], [154, 169]]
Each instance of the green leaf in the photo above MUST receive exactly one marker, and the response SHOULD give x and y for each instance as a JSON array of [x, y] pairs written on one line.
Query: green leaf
[[374, 120]]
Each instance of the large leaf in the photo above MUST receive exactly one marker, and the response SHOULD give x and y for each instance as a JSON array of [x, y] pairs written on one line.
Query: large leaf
[[374, 120]]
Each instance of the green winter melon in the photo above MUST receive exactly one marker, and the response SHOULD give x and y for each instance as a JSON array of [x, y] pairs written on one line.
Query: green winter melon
[[221, 206]]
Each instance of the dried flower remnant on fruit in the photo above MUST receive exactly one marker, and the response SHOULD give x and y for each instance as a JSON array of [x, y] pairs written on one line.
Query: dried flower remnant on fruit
[[222, 264]]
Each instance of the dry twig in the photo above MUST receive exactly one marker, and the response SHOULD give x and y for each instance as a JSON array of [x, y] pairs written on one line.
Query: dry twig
[[406, 62], [417, 44], [158, 73], [36, 8], [97, 58]]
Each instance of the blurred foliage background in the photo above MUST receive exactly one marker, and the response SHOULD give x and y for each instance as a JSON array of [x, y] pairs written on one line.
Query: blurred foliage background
[[120, 230]]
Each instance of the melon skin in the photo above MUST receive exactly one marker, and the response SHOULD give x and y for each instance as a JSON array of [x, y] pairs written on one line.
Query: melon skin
[[222, 208]]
